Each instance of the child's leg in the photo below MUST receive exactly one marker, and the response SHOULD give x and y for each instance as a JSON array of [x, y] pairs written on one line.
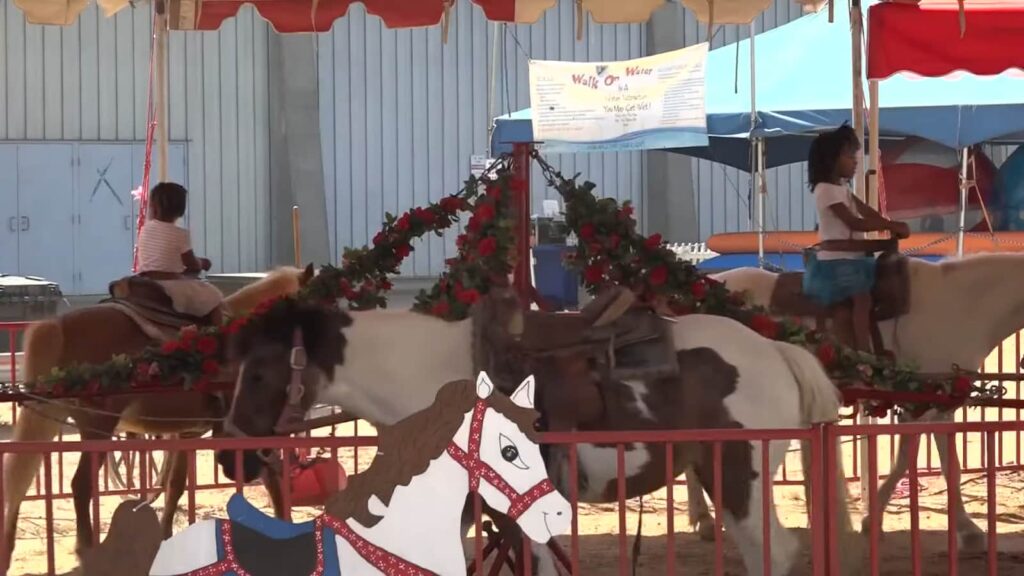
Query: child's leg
[[862, 321]]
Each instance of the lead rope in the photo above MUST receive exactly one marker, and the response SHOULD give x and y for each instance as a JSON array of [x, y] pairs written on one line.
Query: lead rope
[[636, 540]]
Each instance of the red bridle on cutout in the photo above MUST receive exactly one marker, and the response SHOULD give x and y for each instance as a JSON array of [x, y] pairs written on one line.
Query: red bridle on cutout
[[480, 470]]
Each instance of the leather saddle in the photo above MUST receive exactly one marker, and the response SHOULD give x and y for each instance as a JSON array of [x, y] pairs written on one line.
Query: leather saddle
[[890, 296], [626, 341], [146, 300]]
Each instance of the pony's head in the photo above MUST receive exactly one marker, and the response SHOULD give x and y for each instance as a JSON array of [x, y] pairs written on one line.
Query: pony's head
[[284, 356], [499, 449]]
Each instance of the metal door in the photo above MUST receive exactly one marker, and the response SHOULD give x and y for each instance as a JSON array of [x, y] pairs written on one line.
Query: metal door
[[104, 206], [46, 207], [9, 223]]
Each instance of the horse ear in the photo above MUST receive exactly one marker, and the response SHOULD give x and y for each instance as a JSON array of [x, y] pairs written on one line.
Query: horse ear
[[523, 396], [484, 388], [308, 274]]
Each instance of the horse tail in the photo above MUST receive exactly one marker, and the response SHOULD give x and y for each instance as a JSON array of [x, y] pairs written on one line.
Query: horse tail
[[820, 402], [44, 344], [819, 399]]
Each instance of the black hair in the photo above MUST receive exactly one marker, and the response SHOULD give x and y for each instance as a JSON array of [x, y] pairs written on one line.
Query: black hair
[[825, 151], [167, 201]]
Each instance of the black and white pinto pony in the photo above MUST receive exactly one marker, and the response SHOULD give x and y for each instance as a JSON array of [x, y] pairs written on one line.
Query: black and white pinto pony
[[393, 360], [961, 310]]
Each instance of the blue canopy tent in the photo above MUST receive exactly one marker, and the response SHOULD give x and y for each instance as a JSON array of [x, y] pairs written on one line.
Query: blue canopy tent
[[805, 87]]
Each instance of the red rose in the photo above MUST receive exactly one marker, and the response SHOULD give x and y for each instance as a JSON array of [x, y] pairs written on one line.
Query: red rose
[[626, 212], [170, 347], [141, 373], [379, 238], [493, 190], [235, 326], [203, 385], [699, 289], [468, 296], [614, 241], [425, 215], [653, 241], [404, 222], [487, 246], [764, 325], [659, 275], [207, 345], [451, 204], [440, 308], [593, 274], [385, 284], [485, 212], [210, 367], [588, 231], [402, 251], [826, 354], [962, 387], [473, 226], [460, 242]]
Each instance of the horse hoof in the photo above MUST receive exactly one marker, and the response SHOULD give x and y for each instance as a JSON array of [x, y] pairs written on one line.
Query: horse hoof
[[865, 528], [973, 542], [706, 530]]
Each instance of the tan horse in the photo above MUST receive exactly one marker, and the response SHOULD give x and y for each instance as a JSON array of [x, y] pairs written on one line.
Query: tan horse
[[93, 335]]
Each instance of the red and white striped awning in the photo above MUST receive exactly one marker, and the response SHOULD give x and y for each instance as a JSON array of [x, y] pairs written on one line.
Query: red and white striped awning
[[319, 15]]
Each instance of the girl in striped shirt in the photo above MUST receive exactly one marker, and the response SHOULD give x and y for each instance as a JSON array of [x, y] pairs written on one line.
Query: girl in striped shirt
[[166, 255]]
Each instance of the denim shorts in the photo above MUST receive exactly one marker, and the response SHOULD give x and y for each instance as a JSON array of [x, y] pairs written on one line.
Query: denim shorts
[[829, 282]]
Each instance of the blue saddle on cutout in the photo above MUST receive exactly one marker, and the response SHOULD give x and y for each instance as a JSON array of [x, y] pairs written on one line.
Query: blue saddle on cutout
[[241, 511]]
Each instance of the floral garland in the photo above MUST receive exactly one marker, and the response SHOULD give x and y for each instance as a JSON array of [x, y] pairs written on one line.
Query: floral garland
[[610, 251]]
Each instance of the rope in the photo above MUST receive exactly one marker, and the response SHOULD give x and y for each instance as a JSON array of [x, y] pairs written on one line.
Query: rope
[[147, 164]]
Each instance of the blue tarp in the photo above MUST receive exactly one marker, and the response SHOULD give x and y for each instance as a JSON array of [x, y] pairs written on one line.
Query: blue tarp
[[804, 85]]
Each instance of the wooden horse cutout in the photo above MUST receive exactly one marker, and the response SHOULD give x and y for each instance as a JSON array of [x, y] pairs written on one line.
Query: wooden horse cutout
[[399, 517]]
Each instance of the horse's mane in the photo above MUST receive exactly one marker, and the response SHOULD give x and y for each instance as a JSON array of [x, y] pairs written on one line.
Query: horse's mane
[[281, 281], [406, 449]]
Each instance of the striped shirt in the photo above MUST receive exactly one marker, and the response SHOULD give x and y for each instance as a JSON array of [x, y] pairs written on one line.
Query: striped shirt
[[161, 245]]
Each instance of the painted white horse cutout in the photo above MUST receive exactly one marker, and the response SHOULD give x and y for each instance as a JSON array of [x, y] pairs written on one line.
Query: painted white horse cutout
[[392, 358], [402, 515], [961, 310]]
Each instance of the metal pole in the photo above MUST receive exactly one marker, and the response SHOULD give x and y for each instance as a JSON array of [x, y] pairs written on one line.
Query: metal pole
[[161, 89], [757, 166], [492, 96], [856, 28], [964, 158]]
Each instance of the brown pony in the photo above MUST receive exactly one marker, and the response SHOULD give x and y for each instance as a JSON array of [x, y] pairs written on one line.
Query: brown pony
[[93, 335]]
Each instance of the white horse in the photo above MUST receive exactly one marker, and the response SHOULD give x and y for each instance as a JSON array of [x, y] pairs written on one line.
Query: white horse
[[391, 360], [960, 310], [469, 439]]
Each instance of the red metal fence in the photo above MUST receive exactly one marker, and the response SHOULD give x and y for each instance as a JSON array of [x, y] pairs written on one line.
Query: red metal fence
[[988, 442], [600, 539]]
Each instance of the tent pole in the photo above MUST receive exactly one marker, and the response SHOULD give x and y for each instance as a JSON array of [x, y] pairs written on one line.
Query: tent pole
[[161, 88], [493, 92], [874, 161], [856, 28], [964, 185], [756, 165]]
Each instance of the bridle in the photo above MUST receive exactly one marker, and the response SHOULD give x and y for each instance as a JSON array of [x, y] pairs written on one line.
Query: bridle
[[292, 412], [519, 502]]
